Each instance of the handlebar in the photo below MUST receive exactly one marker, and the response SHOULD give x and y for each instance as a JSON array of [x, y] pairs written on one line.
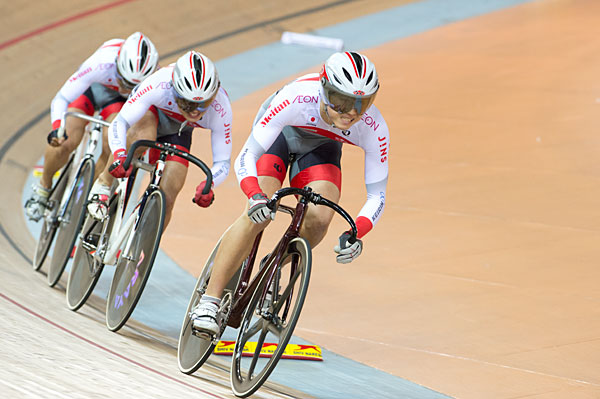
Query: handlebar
[[170, 150], [83, 116], [316, 199]]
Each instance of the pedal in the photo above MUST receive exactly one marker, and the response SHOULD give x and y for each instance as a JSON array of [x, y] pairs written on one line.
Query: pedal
[[203, 335]]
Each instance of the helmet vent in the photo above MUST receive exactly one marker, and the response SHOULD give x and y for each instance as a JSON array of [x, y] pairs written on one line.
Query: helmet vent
[[187, 83], [131, 66], [337, 79], [370, 77], [358, 61], [347, 75], [144, 53], [198, 69], [207, 84]]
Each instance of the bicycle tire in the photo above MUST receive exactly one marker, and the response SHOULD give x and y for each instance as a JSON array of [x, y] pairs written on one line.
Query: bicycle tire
[[85, 270], [49, 228], [293, 292], [125, 291], [66, 233]]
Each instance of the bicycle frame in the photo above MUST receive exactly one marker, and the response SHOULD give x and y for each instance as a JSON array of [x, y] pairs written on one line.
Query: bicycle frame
[[244, 289], [117, 236]]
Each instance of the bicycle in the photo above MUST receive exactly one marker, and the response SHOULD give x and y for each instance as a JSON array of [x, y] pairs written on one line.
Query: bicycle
[[63, 216], [130, 242], [269, 305]]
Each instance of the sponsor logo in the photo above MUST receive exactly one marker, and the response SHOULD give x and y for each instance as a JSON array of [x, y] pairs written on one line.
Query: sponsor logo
[[379, 208], [274, 111], [306, 99], [165, 85], [139, 93], [104, 66], [227, 127], [369, 121], [383, 147], [346, 132], [277, 167], [359, 92], [80, 74], [218, 108]]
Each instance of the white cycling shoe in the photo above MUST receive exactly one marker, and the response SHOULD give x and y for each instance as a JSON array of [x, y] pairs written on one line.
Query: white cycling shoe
[[204, 318], [36, 204]]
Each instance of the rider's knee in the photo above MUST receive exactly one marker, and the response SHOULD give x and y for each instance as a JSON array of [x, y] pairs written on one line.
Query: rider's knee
[[314, 229]]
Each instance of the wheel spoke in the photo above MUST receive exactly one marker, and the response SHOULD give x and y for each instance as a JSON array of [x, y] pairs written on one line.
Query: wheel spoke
[[286, 294], [256, 327], [256, 356]]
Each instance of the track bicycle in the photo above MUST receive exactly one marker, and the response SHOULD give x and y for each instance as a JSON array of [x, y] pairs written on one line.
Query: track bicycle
[[265, 308], [129, 242], [64, 213]]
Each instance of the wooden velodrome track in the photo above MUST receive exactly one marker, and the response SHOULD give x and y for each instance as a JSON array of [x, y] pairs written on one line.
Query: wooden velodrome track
[[480, 281]]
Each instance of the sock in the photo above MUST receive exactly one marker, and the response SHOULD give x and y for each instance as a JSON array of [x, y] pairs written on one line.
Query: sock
[[211, 299], [42, 192], [99, 188]]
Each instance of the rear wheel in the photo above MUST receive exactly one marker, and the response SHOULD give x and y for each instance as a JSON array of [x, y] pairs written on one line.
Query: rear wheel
[[86, 270], [134, 266], [50, 223], [271, 322], [71, 222]]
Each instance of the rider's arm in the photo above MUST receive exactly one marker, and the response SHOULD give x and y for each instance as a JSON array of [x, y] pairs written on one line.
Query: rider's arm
[[133, 110], [376, 177], [264, 132], [221, 149], [75, 86]]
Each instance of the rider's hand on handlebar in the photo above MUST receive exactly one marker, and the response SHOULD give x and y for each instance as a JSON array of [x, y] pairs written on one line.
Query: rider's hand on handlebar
[[347, 252], [203, 200], [258, 211], [116, 169], [56, 137]]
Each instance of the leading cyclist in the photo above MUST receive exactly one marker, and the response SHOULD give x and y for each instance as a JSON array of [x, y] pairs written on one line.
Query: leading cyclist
[[301, 128], [102, 83]]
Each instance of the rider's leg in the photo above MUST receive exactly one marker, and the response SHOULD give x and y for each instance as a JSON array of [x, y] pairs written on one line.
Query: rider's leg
[[237, 243], [234, 248], [56, 157], [171, 184], [318, 218]]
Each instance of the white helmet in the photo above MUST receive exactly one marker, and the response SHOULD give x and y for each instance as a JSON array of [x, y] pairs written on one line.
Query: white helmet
[[195, 77], [349, 80], [137, 59]]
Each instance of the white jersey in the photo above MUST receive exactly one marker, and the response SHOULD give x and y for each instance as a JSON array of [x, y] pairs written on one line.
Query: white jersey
[[297, 104], [157, 90], [100, 67]]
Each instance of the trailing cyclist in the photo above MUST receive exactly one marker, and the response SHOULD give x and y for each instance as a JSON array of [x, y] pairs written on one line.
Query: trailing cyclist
[[102, 83], [167, 107], [301, 128]]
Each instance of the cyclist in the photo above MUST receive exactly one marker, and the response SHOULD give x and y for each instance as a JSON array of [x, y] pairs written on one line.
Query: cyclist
[[102, 82], [302, 128], [167, 107]]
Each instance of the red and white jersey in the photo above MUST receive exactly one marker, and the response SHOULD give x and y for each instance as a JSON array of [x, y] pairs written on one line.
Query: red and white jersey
[[100, 67], [298, 105], [157, 90]]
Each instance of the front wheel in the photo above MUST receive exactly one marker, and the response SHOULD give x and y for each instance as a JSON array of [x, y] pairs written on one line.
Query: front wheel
[[134, 265], [270, 323], [86, 268], [71, 221], [50, 223]]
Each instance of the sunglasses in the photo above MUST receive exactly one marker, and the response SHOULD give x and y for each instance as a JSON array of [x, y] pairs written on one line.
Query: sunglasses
[[124, 84], [344, 104], [191, 106]]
